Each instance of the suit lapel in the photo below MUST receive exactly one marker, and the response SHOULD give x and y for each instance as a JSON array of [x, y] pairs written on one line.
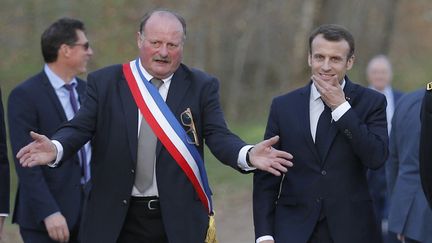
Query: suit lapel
[[130, 110], [53, 96], [304, 118]]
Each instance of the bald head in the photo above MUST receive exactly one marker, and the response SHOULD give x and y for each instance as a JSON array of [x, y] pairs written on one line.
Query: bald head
[[379, 72], [162, 13]]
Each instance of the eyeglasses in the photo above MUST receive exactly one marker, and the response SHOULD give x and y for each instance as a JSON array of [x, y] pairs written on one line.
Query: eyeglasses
[[187, 120], [86, 45]]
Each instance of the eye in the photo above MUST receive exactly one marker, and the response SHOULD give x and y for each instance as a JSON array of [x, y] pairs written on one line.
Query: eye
[[318, 57], [172, 46], [155, 44]]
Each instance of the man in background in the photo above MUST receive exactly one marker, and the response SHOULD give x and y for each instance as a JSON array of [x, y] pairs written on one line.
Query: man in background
[[4, 171], [49, 201], [379, 76], [409, 214]]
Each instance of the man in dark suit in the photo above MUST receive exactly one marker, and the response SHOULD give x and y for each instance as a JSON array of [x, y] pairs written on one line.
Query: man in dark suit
[[409, 213], [169, 209], [426, 144], [49, 201], [335, 130], [379, 75], [4, 171]]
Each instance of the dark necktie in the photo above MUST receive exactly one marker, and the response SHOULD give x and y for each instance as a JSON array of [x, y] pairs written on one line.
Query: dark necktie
[[83, 157], [146, 155], [323, 128]]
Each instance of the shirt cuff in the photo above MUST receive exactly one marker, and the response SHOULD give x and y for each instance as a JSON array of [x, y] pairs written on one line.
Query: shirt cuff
[[340, 111], [59, 148], [263, 238], [241, 161], [4, 214]]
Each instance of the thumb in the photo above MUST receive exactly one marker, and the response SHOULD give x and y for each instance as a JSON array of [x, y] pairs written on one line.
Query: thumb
[[271, 141], [36, 136]]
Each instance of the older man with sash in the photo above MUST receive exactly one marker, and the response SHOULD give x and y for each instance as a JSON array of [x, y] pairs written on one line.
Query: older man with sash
[[148, 120]]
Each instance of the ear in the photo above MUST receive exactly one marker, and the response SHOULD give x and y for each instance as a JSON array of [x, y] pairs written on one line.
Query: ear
[[350, 62], [139, 40], [310, 60], [64, 50]]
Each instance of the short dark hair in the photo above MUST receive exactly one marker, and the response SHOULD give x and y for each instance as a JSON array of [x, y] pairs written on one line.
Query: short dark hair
[[62, 31], [147, 15], [333, 32]]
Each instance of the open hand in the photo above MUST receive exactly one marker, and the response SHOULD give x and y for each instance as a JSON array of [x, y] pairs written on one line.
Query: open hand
[[39, 152], [264, 157]]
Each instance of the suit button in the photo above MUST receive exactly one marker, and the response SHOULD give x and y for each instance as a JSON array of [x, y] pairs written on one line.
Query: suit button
[[133, 171], [323, 172], [124, 202], [318, 200]]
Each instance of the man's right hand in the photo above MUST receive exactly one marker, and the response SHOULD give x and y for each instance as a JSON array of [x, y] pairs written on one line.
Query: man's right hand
[[39, 152], [57, 227]]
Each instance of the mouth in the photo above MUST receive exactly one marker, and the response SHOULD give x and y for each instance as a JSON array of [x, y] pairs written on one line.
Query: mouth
[[161, 61], [327, 76]]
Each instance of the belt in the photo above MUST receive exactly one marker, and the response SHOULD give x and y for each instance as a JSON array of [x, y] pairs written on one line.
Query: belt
[[151, 203]]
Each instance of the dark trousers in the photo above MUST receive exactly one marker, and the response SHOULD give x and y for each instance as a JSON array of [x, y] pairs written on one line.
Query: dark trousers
[[143, 223], [38, 236], [321, 232]]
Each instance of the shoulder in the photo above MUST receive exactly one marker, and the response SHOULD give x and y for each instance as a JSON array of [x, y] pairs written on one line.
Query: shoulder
[[194, 74], [294, 95], [31, 85], [116, 70]]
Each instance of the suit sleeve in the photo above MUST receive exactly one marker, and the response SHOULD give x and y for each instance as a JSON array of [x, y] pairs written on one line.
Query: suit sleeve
[[221, 141], [368, 136], [266, 186], [4, 165], [23, 118], [426, 146]]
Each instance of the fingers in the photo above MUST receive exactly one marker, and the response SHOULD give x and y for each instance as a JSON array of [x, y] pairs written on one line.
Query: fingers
[[57, 227], [270, 142], [36, 136]]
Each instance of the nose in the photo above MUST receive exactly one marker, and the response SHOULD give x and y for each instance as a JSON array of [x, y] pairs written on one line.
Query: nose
[[90, 51], [163, 51], [326, 65]]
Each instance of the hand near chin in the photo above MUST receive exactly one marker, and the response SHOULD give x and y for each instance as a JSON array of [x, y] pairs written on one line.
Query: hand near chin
[[331, 91]]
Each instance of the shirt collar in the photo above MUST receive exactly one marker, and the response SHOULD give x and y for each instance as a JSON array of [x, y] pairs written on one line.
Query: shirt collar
[[316, 95], [55, 80], [149, 77]]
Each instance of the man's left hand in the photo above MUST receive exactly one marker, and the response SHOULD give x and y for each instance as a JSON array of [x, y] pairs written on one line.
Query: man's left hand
[[264, 157]]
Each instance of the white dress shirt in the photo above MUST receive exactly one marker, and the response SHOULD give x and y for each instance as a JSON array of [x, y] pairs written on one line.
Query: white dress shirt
[[316, 107]]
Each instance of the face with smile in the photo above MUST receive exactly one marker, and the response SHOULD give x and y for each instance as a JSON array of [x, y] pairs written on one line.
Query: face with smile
[[329, 59], [161, 44]]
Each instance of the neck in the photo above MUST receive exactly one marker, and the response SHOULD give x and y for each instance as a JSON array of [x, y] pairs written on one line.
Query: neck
[[62, 72]]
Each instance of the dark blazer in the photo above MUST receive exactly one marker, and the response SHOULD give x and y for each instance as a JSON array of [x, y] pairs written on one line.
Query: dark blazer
[[4, 165], [409, 213], [289, 207], [110, 118], [426, 146], [34, 106]]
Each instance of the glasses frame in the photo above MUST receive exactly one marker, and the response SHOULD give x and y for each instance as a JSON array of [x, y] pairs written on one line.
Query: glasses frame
[[86, 45], [191, 126]]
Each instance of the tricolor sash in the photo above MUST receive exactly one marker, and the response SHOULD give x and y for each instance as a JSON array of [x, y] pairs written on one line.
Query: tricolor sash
[[168, 130]]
